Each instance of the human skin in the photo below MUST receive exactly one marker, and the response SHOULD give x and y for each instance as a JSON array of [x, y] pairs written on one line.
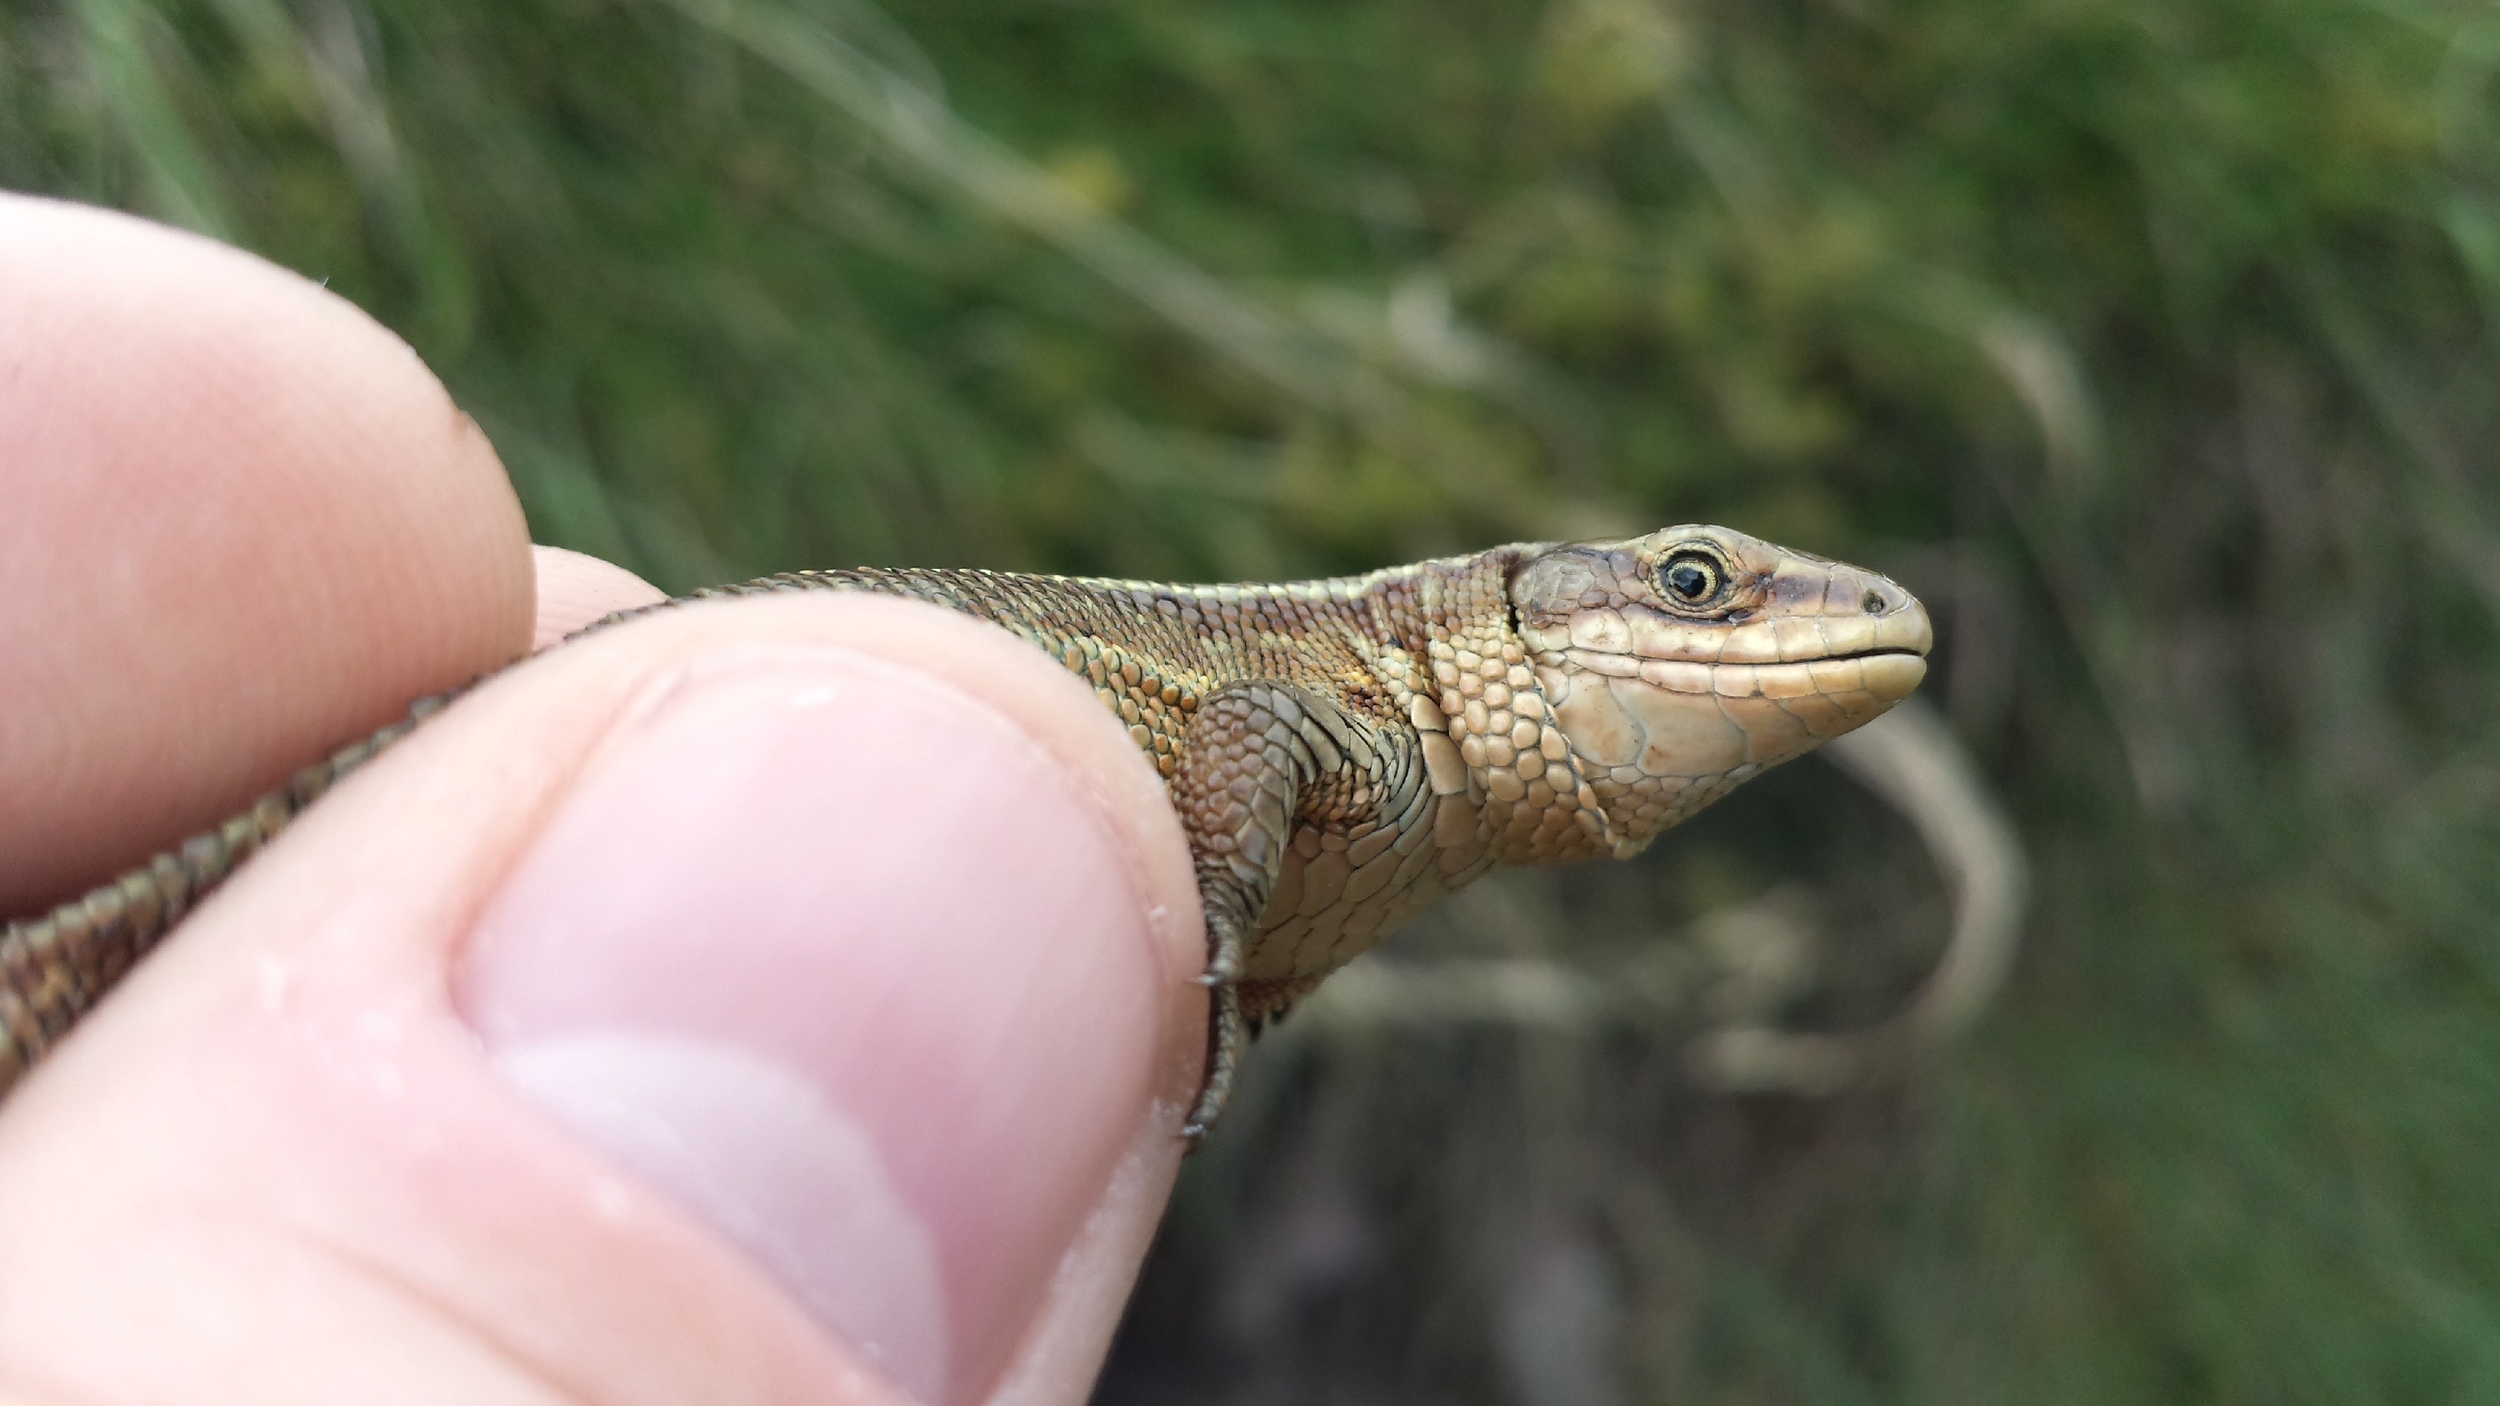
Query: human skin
[[778, 1000]]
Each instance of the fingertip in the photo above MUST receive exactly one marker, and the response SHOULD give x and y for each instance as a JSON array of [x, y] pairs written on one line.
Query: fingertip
[[576, 589], [242, 523], [824, 945]]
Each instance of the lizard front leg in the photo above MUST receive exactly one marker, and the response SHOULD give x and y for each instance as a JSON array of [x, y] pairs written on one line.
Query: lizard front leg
[[1251, 753]]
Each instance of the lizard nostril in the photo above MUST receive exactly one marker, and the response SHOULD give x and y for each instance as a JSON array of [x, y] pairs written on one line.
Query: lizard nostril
[[1874, 603]]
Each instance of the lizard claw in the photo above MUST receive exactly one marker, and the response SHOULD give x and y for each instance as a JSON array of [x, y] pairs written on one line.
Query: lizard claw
[[1225, 1037]]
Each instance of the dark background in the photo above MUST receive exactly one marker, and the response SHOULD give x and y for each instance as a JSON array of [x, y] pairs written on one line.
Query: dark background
[[2150, 341]]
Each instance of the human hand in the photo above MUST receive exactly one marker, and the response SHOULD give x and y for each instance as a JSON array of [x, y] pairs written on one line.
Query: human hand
[[782, 1000]]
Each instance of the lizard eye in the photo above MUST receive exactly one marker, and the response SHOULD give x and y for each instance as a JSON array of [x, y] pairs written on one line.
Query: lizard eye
[[1692, 579]]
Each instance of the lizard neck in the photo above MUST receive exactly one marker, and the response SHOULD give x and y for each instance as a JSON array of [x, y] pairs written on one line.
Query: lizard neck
[[1489, 737]]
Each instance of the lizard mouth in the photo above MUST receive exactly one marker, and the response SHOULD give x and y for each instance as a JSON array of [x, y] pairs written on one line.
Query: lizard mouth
[[1625, 665], [1887, 673]]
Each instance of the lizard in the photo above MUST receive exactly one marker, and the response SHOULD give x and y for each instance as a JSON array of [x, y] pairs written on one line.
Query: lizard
[[1340, 752]]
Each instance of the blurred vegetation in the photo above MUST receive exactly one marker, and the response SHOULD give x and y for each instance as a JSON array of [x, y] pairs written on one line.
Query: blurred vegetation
[[2151, 341]]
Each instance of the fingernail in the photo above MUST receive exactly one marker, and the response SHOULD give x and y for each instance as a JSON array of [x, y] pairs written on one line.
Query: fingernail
[[833, 955]]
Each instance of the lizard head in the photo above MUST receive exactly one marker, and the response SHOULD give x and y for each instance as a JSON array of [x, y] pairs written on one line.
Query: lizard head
[[1678, 665]]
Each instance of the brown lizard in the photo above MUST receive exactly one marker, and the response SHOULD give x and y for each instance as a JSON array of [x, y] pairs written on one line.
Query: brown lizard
[[1340, 752]]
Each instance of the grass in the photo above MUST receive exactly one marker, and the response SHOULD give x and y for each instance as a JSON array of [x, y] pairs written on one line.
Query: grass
[[2151, 342]]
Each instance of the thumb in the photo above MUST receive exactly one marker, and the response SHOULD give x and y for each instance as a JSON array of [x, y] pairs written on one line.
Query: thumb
[[782, 1000]]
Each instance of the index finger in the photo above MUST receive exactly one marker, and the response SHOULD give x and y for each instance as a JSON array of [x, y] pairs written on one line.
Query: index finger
[[240, 523]]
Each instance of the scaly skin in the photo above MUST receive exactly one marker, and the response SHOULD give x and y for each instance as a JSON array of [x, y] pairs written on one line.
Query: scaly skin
[[1340, 752]]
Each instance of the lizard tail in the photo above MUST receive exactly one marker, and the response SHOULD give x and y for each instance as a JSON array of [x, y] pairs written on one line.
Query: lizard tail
[[55, 967]]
